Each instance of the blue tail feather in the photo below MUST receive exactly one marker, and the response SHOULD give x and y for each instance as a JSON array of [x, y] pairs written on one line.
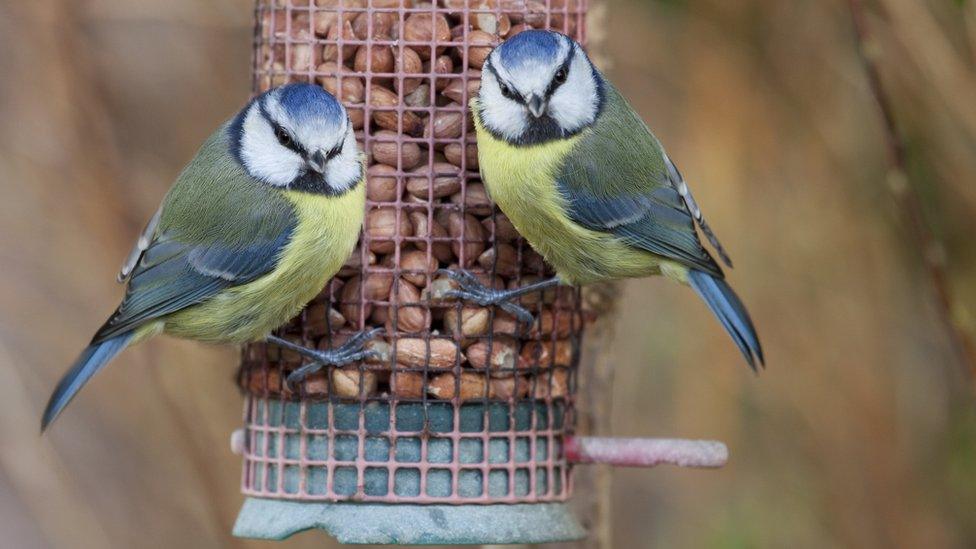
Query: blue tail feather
[[91, 360], [727, 307]]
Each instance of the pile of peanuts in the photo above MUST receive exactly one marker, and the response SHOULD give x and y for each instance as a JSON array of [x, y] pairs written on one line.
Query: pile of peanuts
[[406, 93]]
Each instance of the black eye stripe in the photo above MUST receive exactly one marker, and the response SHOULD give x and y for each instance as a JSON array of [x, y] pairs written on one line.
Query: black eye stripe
[[278, 129], [507, 91], [334, 152], [564, 68], [290, 143], [504, 88], [553, 85]]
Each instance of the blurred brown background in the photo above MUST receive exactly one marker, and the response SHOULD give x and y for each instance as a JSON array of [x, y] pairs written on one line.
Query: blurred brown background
[[861, 433]]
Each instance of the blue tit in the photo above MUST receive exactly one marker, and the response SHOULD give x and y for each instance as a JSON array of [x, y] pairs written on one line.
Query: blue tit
[[585, 181], [267, 211]]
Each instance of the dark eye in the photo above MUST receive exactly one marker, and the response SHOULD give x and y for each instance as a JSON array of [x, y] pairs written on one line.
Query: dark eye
[[506, 91], [282, 136], [561, 75]]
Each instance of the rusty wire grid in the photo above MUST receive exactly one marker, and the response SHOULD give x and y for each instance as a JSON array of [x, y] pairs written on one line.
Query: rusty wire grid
[[461, 405]]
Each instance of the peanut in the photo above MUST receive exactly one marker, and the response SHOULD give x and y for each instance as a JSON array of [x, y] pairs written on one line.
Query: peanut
[[502, 359], [441, 180], [350, 382], [381, 184], [407, 384], [431, 229], [421, 29], [384, 226], [467, 386], [438, 355], [468, 228], [385, 117], [387, 151], [415, 265], [409, 314]]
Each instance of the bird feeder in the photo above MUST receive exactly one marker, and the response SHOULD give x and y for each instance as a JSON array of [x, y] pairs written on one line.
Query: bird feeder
[[459, 428]]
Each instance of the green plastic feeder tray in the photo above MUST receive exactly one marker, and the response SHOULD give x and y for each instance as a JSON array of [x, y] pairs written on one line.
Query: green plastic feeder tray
[[410, 524]]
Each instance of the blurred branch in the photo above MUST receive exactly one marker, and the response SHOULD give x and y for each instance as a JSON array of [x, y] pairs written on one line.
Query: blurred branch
[[930, 249]]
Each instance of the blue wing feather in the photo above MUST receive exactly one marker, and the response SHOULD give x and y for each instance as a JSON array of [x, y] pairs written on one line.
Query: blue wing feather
[[178, 275], [727, 307], [656, 222], [91, 360], [619, 180]]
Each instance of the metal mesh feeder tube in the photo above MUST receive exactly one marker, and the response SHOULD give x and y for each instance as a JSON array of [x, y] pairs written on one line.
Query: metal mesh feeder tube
[[460, 427], [455, 431]]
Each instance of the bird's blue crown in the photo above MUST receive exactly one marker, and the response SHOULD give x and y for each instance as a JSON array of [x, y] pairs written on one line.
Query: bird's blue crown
[[530, 45], [308, 102]]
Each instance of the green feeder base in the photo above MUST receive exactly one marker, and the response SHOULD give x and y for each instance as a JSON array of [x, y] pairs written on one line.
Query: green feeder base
[[410, 524]]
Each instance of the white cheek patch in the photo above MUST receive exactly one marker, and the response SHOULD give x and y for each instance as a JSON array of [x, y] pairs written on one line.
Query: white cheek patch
[[262, 155], [575, 103], [499, 113], [346, 169]]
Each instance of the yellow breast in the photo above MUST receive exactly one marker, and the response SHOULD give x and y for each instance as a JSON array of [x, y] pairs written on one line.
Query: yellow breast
[[522, 181], [326, 233]]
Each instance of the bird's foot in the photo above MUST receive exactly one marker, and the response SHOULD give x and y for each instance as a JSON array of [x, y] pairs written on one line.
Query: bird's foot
[[351, 351], [471, 289]]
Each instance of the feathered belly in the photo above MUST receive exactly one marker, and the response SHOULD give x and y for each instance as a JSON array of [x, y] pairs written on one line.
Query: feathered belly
[[521, 181], [326, 234], [579, 255], [251, 311]]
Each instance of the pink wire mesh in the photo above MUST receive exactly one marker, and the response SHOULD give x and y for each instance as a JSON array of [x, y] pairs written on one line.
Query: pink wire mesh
[[405, 71]]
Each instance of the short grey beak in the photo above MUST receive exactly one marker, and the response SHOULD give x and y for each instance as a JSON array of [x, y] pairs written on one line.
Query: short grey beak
[[317, 161], [537, 105]]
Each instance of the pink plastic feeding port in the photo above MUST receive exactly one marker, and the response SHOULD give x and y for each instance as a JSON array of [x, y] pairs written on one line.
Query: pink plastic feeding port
[[646, 452]]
